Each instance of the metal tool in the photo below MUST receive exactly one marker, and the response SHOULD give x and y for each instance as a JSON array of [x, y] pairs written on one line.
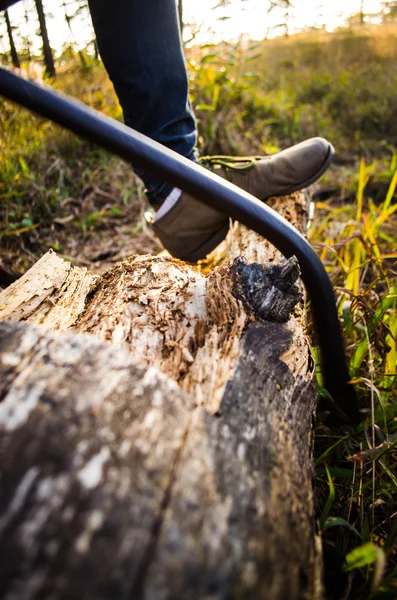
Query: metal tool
[[215, 191]]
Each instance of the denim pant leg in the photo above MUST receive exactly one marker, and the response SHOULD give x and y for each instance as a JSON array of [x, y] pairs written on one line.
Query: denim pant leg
[[140, 45]]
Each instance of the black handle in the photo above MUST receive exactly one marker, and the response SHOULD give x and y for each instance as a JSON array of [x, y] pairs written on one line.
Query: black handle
[[215, 191]]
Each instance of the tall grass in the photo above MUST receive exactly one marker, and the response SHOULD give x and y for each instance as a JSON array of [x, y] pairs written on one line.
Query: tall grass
[[356, 468], [341, 85]]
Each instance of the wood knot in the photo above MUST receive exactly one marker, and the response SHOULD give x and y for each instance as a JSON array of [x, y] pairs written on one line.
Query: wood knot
[[269, 291]]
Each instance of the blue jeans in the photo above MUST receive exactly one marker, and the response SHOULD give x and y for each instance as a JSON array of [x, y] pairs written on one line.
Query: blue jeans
[[139, 42]]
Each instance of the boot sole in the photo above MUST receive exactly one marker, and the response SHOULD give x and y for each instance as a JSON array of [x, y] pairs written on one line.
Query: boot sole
[[312, 179]]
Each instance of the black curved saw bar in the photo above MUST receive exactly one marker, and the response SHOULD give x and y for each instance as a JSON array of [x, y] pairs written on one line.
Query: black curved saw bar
[[212, 190]]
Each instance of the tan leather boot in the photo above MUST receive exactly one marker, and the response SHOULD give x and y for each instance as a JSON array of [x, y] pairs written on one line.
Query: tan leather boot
[[190, 229], [276, 175]]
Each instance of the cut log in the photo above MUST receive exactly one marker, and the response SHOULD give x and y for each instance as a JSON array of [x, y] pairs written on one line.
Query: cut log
[[161, 449]]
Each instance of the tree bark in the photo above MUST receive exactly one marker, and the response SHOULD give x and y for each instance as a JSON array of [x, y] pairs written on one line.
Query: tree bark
[[161, 447]]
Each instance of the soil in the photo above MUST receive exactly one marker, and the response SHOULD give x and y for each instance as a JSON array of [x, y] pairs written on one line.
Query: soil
[[94, 231]]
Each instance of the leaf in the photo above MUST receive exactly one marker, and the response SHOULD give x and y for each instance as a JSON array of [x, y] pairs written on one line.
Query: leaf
[[390, 192], [375, 453], [341, 473], [255, 56], [330, 448], [347, 317], [362, 347], [390, 474], [385, 215], [362, 556], [380, 565], [333, 522], [115, 210], [391, 358], [355, 251], [330, 501], [363, 178], [215, 96], [24, 166], [254, 47], [208, 57], [204, 107], [365, 555], [7, 232]]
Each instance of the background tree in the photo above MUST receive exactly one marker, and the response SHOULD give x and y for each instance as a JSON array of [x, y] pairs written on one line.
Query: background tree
[[320, 22], [48, 58], [362, 14], [26, 38], [180, 15], [285, 8], [389, 11], [13, 50]]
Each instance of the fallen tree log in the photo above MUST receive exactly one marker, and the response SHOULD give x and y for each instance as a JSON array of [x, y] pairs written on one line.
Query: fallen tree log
[[167, 454]]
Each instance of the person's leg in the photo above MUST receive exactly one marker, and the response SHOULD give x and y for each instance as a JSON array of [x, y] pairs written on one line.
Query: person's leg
[[140, 45]]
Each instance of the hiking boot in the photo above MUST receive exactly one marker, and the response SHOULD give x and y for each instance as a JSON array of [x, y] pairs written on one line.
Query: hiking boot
[[190, 230], [276, 175]]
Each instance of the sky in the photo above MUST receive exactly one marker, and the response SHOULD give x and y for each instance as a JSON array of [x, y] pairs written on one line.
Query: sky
[[250, 16], [240, 17]]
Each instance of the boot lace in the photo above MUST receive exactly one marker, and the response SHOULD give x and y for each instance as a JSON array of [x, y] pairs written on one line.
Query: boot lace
[[232, 163]]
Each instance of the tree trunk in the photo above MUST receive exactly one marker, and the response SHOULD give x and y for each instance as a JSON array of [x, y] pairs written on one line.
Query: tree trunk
[[362, 16], [14, 54], [48, 58], [167, 454], [180, 16]]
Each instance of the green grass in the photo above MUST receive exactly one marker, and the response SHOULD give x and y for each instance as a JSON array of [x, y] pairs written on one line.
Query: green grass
[[356, 468], [57, 191], [341, 85]]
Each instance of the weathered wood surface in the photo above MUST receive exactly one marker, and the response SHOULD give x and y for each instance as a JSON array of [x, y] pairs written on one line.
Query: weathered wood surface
[[51, 292], [118, 483]]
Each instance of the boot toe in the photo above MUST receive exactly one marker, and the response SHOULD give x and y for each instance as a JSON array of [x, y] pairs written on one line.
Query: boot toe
[[295, 168], [313, 155]]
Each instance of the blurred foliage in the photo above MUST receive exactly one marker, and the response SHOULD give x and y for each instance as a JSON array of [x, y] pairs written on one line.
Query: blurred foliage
[[341, 86]]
